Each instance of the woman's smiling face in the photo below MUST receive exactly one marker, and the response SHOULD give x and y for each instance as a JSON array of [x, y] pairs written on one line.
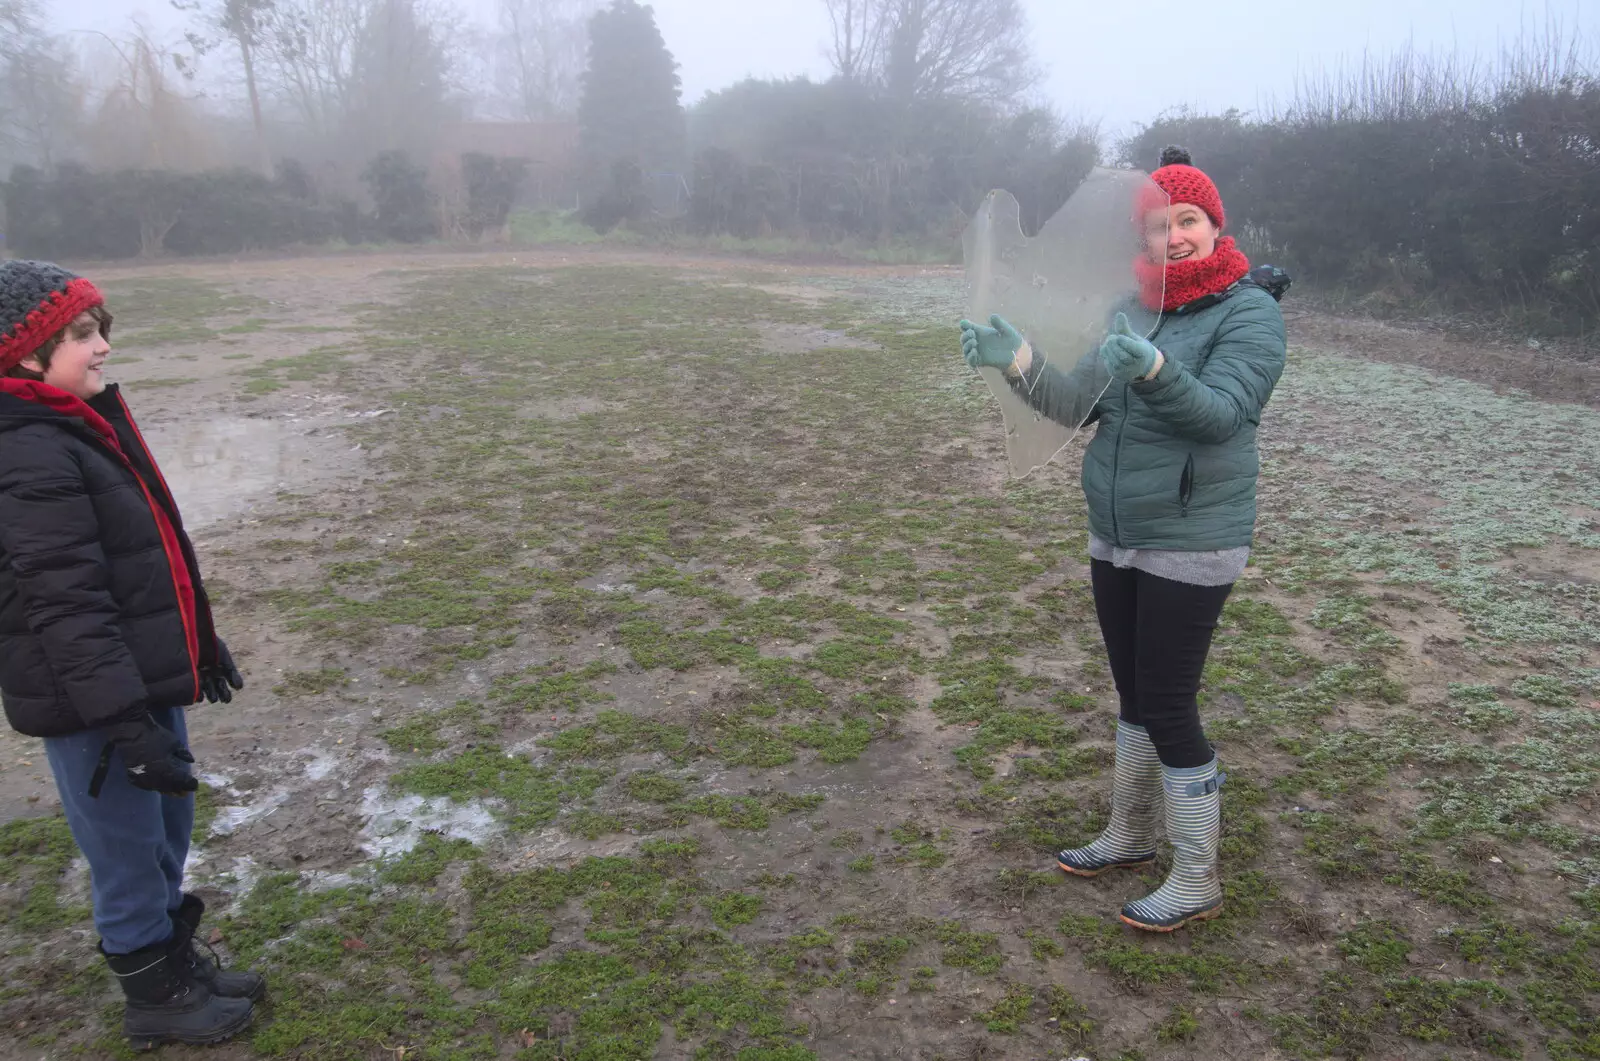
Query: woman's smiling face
[[1179, 233]]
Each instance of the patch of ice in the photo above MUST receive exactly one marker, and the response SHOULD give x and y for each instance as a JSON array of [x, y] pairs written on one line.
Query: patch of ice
[[321, 880], [396, 823], [231, 818], [319, 768], [237, 881], [529, 749]]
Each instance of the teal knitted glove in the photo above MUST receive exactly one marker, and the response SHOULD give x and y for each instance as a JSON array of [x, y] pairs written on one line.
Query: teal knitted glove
[[992, 347], [1128, 357]]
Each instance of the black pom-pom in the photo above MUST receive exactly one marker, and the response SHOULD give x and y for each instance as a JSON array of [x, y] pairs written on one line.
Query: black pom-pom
[[1175, 156]]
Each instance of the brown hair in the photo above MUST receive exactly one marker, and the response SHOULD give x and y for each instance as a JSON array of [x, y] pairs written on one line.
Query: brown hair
[[47, 350]]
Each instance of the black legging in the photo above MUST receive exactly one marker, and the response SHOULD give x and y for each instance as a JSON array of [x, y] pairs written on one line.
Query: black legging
[[1158, 633]]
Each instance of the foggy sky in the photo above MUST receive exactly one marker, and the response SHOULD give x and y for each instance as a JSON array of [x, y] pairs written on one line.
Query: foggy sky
[[1115, 60]]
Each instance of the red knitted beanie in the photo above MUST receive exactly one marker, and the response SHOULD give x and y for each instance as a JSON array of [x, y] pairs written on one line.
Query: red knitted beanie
[[1183, 183]]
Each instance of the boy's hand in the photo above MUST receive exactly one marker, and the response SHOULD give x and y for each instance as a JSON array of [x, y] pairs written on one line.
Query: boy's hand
[[218, 681], [153, 756]]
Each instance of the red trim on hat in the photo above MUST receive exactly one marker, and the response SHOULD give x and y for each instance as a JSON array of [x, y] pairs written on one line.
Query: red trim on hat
[[55, 312]]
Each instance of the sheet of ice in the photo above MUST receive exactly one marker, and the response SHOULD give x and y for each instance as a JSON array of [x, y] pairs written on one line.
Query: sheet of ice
[[394, 824]]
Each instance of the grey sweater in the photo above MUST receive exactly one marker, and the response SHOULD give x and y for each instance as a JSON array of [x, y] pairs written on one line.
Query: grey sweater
[[1217, 567]]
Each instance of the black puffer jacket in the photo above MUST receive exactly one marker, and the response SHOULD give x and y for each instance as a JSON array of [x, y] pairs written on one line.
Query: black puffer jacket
[[102, 612]]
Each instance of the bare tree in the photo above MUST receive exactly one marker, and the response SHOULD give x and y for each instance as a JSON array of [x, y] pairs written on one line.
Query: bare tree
[[382, 71], [145, 119], [542, 48], [42, 95], [245, 24], [857, 31], [933, 49], [308, 58]]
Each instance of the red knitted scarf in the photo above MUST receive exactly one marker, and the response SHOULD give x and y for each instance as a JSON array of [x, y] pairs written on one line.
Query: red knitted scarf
[[1172, 284]]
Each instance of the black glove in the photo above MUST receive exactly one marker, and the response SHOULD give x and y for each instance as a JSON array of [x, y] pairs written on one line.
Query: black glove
[[155, 758], [215, 680]]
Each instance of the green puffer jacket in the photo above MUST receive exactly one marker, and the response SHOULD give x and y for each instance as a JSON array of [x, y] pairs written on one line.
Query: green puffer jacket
[[1173, 463]]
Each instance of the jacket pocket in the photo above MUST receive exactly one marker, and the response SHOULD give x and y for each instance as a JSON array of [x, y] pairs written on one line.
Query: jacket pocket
[[1186, 485]]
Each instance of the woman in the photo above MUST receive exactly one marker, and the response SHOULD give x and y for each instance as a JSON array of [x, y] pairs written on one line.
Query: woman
[[105, 638], [1170, 480]]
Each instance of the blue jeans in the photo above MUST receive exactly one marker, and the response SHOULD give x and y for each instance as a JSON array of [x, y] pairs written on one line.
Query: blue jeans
[[136, 841]]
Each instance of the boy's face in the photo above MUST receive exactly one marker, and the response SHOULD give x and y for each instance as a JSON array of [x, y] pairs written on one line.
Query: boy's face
[[75, 366]]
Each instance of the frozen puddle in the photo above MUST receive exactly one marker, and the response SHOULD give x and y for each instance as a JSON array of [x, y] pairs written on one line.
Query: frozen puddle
[[232, 818], [395, 824], [321, 767], [218, 468]]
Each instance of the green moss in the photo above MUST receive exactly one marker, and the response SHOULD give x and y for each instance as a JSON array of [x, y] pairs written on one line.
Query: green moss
[[1341, 848], [34, 853], [420, 734], [1545, 691], [614, 734], [1453, 888], [311, 683], [1349, 619], [735, 908], [978, 951], [429, 858], [1503, 947], [531, 796], [206, 808], [1069, 1018], [1180, 1026], [1136, 967], [656, 788], [1377, 946], [1434, 1010], [1007, 1015], [751, 811], [1042, 947], [553, 687], [1478, 708]]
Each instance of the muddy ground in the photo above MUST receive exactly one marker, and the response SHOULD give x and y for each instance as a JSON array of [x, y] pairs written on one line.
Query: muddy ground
[[650, 658]]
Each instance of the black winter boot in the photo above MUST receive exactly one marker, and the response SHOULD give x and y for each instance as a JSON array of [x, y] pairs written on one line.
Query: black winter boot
[[166, 1004], [227, 983]]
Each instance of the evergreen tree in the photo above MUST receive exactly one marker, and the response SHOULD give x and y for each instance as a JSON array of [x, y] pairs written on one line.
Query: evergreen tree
[[630, 109]]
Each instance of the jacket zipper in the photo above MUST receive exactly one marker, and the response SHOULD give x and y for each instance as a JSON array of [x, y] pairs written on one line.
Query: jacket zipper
[[1116, 457], [1186, 486]]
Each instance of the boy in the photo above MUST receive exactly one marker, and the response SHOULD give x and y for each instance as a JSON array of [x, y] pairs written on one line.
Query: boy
[[105, 638]]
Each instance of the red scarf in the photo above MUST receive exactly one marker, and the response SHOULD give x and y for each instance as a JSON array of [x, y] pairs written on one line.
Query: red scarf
[[1172, 284]]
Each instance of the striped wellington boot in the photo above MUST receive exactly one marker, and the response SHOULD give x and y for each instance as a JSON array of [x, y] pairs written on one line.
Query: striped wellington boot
[[1130, 838], [1193, 890]]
